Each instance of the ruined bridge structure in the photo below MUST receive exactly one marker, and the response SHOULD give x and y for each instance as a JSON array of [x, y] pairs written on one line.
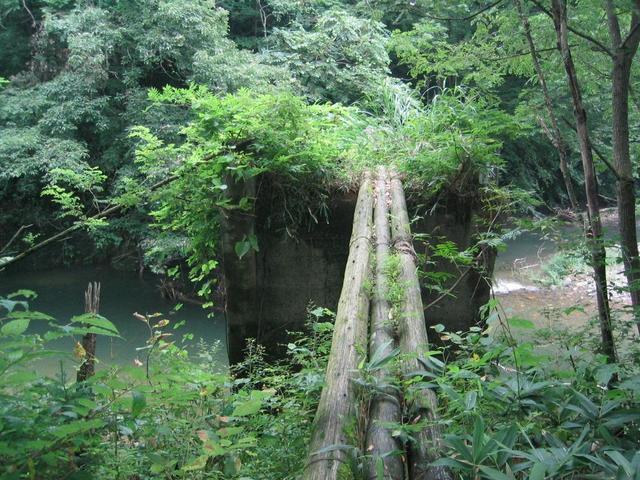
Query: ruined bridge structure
[[269, 291]]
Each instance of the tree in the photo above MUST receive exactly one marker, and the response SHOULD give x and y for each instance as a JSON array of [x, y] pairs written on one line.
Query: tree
[[594, 231], [554, 134], [623, 50]]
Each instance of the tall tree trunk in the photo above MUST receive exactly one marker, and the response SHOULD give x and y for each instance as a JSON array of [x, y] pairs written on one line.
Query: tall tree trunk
[[91, 305], [423, 404], [555, 135], [623, 53], [327, 459], [383, 448], [593, 232]]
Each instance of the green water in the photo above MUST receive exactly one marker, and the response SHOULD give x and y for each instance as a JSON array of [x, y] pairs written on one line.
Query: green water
[[61, 295]]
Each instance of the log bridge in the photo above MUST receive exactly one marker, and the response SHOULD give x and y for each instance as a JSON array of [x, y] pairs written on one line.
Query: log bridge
[[353, 429]]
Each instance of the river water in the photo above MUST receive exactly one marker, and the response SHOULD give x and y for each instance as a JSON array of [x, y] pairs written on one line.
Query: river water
[[61, 295]]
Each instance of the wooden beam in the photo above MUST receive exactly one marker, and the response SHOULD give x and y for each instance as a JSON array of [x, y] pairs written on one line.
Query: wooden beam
[[337, 406], [381, 446], [421, 405]]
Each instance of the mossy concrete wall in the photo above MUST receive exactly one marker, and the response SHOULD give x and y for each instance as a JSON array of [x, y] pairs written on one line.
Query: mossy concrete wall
[[268, 292]]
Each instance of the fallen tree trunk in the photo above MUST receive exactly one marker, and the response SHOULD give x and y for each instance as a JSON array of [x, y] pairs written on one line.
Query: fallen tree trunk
[[327, 456], [384, 449], [422, 404]]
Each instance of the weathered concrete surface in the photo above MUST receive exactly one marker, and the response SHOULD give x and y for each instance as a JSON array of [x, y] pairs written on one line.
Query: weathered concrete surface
[[458, 309], [290, 274], [267, 298]]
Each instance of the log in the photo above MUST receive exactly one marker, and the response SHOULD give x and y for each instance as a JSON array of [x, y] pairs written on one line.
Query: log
[[327, 457], [91, 305], [385, 406], [413, 341]]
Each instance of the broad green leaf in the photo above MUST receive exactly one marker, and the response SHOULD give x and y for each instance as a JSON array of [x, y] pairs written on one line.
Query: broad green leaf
[[95, 320], [76, 427], [197, 464], [138, 402], [249, 407], [470, 399], [493, 474], [15, 327], [517, 322], [538, 472], [242, 248]]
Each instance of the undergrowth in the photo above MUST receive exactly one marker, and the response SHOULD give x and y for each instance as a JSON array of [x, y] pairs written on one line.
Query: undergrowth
[[170, 415], [509, 408]]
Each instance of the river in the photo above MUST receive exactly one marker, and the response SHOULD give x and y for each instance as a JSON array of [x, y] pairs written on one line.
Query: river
[[61, 295]]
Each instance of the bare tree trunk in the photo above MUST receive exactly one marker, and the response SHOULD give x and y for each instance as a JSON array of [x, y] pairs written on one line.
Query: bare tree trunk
[[385, 406], [91, 305], [555, 135], [337, 402], [594, 232], [623, 53], [422, 405]]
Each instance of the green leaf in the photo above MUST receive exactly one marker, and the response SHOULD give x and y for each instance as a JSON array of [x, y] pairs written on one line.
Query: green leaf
[[621, 461], [31, 315], [15, 327], [249, 407], [95, 320], [138, 402], [253, 242], [242, 248], [379, 468], [470, 399], [77, 427], [493, 474], [197, 464], [538, 472], [517, 322]]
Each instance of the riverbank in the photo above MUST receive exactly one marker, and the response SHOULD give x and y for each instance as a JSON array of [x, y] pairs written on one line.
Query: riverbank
[[546, 280]]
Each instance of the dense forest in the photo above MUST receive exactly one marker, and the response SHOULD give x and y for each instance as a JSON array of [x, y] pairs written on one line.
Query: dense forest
[[192, 142]]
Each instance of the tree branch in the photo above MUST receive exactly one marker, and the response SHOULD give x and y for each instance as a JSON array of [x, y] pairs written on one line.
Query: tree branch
[[77, 226], [469, 17], [33, 19], [13, 238], [603, 48], [633, 38]]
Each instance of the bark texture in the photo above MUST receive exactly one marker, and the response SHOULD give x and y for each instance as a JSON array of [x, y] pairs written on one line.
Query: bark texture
[[413, 341], [623, 54], [91, 305], [555, 135], [593, 231], [338, 399], [385, 406]]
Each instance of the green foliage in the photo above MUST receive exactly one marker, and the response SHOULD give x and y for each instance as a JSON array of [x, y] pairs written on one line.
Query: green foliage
[[514, 413], [299, 149], [168, 415], [69, 104], [340, 59]]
